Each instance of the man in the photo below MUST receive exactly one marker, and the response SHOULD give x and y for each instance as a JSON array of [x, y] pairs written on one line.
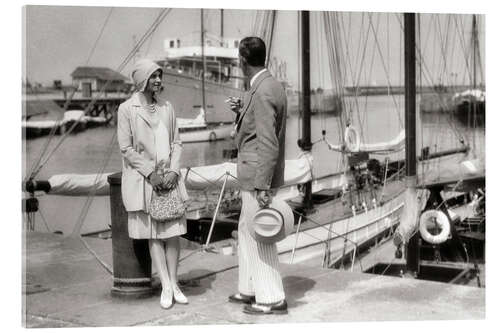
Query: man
[[260, 139]]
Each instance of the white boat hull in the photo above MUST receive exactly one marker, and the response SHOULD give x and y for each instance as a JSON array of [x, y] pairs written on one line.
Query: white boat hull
[[342, 236], [207, 134]]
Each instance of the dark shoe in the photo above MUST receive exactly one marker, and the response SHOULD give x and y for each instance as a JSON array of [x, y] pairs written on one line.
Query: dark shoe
[[260, 309], [240, 298]]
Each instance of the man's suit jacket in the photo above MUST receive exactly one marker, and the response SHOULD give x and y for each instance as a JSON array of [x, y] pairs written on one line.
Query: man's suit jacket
[[260, 136]]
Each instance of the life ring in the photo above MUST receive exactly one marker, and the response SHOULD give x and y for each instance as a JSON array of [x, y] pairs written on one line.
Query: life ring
[[432, 218], [212, 136], [351, 139]]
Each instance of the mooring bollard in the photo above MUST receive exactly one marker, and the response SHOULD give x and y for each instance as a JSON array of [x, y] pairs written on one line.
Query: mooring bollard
[[131, 259]]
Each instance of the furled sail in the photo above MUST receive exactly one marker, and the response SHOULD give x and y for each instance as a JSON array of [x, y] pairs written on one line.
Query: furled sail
[[475, 95], [297, 171], [71, 184], [393, 145]]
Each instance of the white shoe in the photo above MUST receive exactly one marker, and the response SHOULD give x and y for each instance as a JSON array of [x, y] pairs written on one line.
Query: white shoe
[[166, 299], [179, 296]]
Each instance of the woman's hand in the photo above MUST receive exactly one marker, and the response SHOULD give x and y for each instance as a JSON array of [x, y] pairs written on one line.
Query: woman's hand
[[155, 181], [170, 180]]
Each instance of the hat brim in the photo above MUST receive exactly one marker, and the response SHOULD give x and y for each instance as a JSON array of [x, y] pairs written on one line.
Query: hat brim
[[287, 226], [144, 84]]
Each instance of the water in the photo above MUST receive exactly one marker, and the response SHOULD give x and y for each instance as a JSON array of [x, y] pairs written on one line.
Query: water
[[96, 149]]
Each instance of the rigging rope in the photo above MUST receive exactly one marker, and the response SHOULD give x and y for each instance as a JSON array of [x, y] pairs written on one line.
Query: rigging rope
[[90, 197], [44, 221], [129, 57], [428, 76], [386, 71], [335, 74], [319, 225], [99, 36], [320, 95], [336, 38], [85, 209], [54, 128]]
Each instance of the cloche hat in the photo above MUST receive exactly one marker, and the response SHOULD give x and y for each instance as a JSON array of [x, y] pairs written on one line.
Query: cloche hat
[[142, 71]]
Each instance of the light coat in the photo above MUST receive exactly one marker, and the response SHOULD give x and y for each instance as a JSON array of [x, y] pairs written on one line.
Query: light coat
[[137, 144], [260, 136]]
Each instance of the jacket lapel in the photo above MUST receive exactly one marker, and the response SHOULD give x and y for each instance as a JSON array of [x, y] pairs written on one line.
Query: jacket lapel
[[140, 110], [249, 95]]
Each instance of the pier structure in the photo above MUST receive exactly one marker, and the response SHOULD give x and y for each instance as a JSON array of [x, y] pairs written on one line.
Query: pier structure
[[105, 106], [67, 286]]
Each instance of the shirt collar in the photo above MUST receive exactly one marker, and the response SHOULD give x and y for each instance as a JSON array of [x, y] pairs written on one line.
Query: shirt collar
[[252, 80]]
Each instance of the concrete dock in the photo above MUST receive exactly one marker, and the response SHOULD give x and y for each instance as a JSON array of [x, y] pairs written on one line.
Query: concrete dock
[[66, 286]]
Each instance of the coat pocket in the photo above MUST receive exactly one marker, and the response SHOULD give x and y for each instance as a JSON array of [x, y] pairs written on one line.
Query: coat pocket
[[132, 189], [247, 169]]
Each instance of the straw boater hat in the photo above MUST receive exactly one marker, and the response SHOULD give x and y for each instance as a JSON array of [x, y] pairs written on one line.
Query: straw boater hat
[[272, 224]]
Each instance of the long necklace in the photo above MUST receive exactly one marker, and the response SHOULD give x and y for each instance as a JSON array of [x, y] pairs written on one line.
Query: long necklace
[[151, 107]]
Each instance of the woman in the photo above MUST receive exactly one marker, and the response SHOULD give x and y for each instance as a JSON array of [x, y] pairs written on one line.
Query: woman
[[148, 137]]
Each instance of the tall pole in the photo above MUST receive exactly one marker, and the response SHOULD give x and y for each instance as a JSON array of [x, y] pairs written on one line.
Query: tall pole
[[413, 249], [270, 45], [222, 27], [203, 62], [474, 51], [410, 95], [305, 140]]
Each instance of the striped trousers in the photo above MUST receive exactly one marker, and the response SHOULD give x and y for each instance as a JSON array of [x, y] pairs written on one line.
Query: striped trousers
[[258, 262]]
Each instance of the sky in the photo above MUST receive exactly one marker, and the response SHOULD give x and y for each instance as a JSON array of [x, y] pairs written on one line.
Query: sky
[[57, 39]]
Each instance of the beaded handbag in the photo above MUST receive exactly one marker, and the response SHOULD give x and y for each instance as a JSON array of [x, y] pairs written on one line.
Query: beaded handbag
[[167, 205]]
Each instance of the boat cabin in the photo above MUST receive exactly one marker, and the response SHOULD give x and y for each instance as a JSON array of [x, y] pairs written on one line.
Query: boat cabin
[[220, 55]]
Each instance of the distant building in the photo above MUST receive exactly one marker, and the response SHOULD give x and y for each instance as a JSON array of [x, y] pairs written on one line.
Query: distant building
[[88, 79]]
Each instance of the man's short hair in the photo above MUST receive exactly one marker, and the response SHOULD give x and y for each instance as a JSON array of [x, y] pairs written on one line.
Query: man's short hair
[[253, 50]]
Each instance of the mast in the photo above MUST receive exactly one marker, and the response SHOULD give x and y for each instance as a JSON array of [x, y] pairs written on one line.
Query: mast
[[412, 257], [410, 94], [273, 21], [222, 27], [203, 62], [474, 50], [305, 141]]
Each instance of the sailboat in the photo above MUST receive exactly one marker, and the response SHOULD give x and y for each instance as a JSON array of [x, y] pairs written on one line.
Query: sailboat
[[436, 242], [470, 105], [337, 215], [335, 219]]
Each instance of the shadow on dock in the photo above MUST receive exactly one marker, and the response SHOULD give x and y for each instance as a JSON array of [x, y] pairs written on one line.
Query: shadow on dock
[[65, 286]]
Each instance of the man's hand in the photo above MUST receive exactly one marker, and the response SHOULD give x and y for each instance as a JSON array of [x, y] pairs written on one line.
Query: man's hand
[[234, 104], [264, 198], [155, 181], [170, 180]]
